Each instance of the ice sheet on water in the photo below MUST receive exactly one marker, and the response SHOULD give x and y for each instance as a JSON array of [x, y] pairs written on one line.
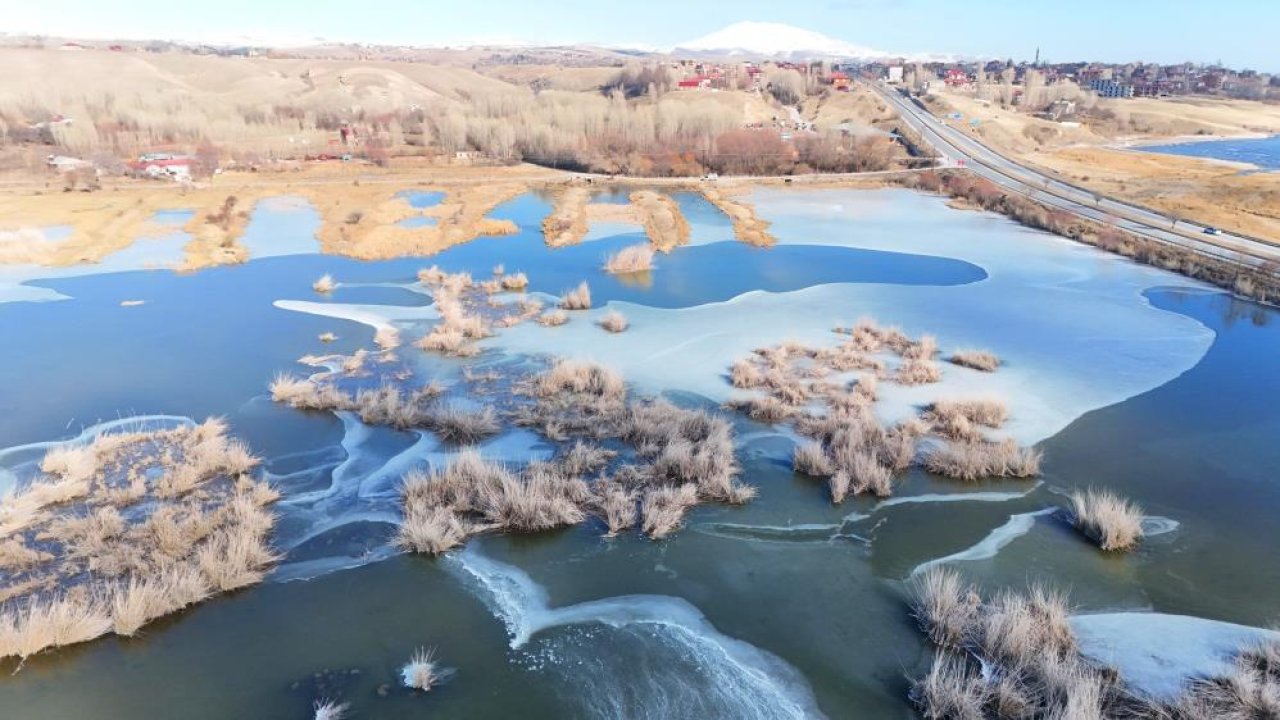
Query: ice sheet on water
[[988, 547], [1157, 653], [731, 678], [1069, 321]]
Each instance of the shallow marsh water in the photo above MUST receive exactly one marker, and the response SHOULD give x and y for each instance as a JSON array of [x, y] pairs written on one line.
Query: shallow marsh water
[[1129, 378]]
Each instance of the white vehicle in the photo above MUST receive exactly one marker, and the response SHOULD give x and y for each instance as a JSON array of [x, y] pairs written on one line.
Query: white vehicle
[[711, 177]]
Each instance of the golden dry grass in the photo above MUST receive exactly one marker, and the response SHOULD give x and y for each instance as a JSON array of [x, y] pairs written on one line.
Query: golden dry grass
[[747, 226]]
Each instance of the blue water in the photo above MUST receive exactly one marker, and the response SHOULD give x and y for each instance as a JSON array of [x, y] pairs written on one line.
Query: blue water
[[421, 199], [1263, 152], [173, 217], [1200, 449], [417, 221]]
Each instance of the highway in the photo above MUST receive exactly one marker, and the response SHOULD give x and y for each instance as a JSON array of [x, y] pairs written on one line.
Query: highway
[[957, 148]]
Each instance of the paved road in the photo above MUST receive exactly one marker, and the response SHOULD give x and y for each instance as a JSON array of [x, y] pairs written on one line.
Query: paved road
[[958, 148]]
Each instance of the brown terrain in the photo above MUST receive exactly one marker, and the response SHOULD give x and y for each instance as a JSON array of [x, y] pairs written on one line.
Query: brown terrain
[[1099, 154]]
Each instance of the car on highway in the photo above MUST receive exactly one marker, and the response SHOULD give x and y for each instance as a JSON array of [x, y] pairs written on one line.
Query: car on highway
[[1209, 230]]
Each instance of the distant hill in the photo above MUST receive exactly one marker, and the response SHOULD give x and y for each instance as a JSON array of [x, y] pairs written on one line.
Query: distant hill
[[774, 40]]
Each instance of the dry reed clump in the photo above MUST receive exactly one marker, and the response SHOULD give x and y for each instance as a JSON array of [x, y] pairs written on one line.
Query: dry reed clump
[[1250, 689], [1013, 657], [851, 448], [387, 339], [422, 672], [670, 446], [974, 460], [515, 281], [631, 259], [578, 298], [383, 405], [614, 322], [460, 425], [663, 509], [915, 371], [471, 495], [457, 300], [392, 406], [677, 458], [964, 419], [127, 528], [325, 285], [554, 318], [1106, 519], [330, 710], [981, 360]]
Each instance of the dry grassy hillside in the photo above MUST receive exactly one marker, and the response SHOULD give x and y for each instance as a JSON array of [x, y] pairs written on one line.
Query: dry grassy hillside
[[1109, 120], [128, 101]]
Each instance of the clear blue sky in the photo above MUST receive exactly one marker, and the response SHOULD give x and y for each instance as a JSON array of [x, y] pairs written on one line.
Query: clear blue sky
[[1241, 33]]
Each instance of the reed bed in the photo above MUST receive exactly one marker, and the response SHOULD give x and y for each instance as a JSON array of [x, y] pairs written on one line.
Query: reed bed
[[848, 445], [127, 528], [1015, 655]]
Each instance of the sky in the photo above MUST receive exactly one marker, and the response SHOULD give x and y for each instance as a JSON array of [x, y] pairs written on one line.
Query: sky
[[1240, 33]]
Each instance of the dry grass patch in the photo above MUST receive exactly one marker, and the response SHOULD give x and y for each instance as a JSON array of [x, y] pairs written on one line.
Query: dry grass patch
[[554, 318], [631, 259], [614, 321], [974, 460], [325, 285], [981, 360], [127, 528], [964, 419], [578, 298], [1106, 519], [515, 281], [1015, 656], [850, 447]]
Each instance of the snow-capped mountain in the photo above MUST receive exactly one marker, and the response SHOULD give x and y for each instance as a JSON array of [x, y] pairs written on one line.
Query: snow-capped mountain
[[775, 40]]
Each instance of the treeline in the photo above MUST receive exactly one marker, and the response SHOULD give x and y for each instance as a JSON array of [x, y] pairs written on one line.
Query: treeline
[[630, 126]]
